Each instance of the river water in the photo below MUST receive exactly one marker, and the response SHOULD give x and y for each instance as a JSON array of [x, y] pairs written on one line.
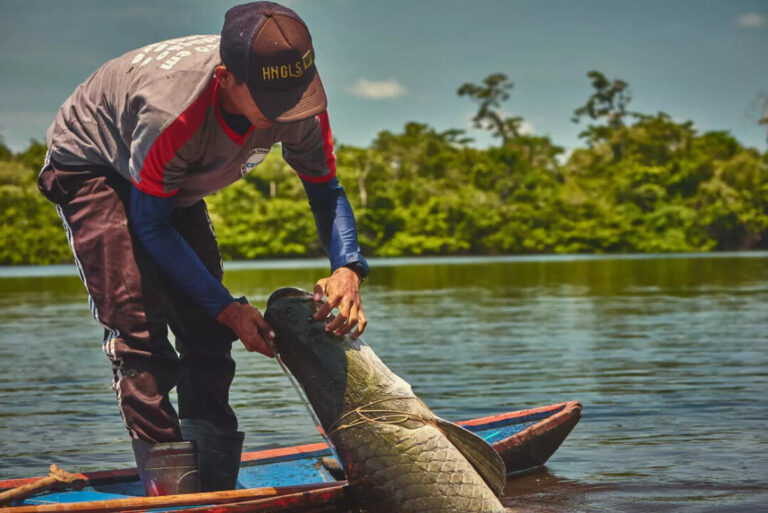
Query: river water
[[669, 356]]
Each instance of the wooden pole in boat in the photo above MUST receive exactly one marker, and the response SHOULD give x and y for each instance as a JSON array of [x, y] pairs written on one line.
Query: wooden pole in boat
[[56, 478], [174, 501], [326, 500]]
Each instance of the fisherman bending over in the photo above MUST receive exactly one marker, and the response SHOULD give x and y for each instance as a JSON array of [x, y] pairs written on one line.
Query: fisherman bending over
[[132, 154]]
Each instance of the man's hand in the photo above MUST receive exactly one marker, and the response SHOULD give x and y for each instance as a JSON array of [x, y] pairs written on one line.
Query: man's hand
[[343, 291], [249, 326]]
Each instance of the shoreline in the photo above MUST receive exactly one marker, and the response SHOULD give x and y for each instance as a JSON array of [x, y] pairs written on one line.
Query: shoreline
[[24, 271]]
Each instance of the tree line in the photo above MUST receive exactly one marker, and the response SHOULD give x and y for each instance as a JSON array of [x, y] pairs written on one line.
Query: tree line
[[642, 182]]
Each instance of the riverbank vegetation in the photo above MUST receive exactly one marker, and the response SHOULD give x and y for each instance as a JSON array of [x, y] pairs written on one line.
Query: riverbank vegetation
[[642, 182]]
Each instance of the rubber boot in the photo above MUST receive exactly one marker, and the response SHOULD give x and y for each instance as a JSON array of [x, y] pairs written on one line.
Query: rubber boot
[[219, 453], [167, 468]]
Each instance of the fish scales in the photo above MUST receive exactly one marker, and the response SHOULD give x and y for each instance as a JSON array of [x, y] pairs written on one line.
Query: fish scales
[[396, 456], [410, 465], [415, 470]]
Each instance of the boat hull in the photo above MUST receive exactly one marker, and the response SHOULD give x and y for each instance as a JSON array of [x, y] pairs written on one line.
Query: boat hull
[[296, 479]]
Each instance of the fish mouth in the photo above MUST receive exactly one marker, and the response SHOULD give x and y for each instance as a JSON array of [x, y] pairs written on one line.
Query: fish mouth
[[288, 292]]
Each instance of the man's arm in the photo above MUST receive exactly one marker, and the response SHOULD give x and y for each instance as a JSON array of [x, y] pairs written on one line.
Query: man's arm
[[335, 223], [336, 228], [151, 222], [158, 165], [308, 148]]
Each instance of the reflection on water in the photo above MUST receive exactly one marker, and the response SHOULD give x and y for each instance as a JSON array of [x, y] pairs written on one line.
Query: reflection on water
[[668, 356]]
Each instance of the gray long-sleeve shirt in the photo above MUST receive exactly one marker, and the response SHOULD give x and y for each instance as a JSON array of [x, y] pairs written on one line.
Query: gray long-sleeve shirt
[[153, 116]]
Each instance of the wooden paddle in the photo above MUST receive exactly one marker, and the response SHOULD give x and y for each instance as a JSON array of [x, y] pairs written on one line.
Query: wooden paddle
[[176, 501], [57, 478]]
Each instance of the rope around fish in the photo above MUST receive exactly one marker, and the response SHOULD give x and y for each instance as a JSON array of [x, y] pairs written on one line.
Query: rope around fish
[[379, 416]]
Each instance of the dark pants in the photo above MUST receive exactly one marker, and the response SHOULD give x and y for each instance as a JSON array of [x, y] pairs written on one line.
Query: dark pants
[[136, 302]]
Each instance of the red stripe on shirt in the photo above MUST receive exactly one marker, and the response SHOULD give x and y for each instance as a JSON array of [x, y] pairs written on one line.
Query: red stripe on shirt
[[170, 141], [330, 157]]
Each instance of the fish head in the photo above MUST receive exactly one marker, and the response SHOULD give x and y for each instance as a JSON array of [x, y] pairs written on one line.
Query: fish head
[[315, 357]]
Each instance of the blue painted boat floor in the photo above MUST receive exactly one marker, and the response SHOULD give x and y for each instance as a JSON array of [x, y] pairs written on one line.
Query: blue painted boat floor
[[85, 495], [284, 473]]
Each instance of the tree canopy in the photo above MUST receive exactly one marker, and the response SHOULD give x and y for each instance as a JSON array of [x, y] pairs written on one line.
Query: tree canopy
[[643, 183]]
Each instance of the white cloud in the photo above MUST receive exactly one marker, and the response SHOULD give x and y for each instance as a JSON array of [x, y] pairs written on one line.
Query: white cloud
[[751, 20], [526, 128], [377, 90]]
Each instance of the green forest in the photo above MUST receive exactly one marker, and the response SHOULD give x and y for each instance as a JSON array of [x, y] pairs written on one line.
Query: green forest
[[641, 182]]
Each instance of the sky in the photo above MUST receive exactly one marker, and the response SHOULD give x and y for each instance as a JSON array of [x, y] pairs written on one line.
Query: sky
[[385, 63]]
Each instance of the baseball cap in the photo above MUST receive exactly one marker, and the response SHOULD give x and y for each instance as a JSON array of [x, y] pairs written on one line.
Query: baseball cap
[[268, 46]]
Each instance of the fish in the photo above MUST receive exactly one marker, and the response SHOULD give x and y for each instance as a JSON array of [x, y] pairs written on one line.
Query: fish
[[398, 456]]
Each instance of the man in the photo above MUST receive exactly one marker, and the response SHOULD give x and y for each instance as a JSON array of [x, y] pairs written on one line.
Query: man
[[131, 155]]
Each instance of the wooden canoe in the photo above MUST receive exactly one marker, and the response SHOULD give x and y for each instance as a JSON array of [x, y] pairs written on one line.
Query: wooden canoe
[[294, 479]]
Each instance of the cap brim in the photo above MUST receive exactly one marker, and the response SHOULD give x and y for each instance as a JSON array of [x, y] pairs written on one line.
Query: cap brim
[[293, 104]]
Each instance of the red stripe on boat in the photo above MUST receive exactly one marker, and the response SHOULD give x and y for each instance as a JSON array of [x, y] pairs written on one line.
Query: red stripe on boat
[[283, 451], [515, 414]]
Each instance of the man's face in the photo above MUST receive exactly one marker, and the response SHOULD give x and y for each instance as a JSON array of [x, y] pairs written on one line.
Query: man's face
[[241, 97], [236, 98]]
